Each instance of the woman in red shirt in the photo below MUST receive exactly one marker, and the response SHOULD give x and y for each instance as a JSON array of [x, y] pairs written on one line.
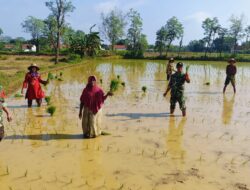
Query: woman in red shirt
[[32, 83]]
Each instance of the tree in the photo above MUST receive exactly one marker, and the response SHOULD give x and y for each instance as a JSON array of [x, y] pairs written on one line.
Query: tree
[[196, 46], [219, 42], [160, 44], [59, 10], [50, 31], [85, 44], [1, 31], [92, 43], [173, 30], [137, 42], [35, 27], [247, 33], [210, 27], [236, 30], [77, 42], [113, 25]]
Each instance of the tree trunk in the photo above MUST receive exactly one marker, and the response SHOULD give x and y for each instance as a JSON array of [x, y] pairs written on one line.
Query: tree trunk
[[57, 48]]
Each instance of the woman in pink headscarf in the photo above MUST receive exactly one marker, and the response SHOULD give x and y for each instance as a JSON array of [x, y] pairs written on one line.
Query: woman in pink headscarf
[[92, 100]]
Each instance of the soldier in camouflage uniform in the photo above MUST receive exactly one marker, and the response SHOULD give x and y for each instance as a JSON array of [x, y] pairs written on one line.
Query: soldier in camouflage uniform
[[3, 108], [176, 85]]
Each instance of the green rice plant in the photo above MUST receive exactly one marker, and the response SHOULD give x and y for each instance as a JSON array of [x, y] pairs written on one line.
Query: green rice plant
[[48, 100], [101, 81], [51, 110], [123, 84], [207, 83], [50, 76], [105, 133], [144, 89], [61, 74], [114, 85], [18, 95], [60, 79], [118, 77]]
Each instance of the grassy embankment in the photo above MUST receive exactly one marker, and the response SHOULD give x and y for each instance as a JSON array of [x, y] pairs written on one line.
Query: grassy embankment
[[14, 67]]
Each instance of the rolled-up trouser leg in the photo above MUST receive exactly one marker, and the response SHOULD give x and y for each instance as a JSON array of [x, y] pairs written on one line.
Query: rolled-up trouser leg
[[173, 101]]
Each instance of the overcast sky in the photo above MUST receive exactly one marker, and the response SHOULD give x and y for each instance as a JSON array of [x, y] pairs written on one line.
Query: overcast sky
[[155, 13]]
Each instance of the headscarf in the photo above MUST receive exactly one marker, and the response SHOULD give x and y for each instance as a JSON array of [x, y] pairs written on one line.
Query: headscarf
[[92, 96]]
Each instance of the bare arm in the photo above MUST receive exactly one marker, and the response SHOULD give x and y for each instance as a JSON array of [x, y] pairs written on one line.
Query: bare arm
[[7, 113], [166, 92], [80, 111]]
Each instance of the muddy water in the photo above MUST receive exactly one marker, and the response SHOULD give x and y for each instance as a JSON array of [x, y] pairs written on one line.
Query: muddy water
[[147, 149]]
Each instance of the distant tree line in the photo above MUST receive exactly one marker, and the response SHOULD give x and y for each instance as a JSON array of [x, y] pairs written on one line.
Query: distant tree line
[[118, 28]]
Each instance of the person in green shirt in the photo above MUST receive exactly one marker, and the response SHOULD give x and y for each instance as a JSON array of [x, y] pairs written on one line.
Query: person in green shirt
[[176, 85]]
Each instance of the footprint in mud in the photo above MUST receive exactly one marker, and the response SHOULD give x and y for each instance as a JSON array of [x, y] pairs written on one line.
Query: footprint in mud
[[241, 186]]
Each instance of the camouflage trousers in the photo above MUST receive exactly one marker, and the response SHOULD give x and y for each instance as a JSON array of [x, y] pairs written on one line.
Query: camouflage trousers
[[177, 98]]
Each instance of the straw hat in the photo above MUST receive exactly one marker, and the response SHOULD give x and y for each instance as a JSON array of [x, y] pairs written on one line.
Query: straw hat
[[171, 59], [232, 60], [33, 65]]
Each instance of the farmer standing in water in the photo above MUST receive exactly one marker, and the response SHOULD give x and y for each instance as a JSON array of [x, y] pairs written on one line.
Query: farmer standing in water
[[176, 85], [92, 100], [170, 68], [231, 72], [32, 83]]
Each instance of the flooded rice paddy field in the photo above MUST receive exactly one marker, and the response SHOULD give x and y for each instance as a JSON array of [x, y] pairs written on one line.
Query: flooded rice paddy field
[[147, 149]]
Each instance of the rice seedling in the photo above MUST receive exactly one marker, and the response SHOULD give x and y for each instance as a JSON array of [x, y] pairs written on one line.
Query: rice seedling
[[123, 84], [114, 85], [18, 95], [48, 100], [144, 89], [51, 110], [187, 68], [61, 74], [118, 77], [50, 76], [207, 83], [101, 81], [60, 79], [105, 133]]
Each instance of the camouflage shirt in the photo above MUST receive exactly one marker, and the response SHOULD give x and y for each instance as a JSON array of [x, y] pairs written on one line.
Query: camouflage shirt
[[176, 84]]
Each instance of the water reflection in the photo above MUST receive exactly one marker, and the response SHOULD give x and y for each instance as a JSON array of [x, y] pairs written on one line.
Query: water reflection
[[174, 139], [228, 105]]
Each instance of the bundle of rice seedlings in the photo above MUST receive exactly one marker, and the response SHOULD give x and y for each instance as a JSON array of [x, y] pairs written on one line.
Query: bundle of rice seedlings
[[48, 100], [114, 85], [18, 95], [144, 89], [51, 110]]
